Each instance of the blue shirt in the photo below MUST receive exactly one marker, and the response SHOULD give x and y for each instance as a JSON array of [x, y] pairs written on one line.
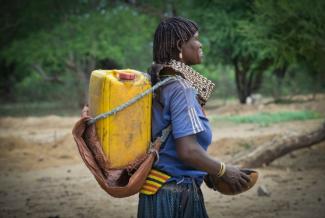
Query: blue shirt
[[177, 105]]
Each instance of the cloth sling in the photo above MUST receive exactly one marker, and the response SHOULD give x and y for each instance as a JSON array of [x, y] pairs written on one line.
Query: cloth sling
[[122, 182]]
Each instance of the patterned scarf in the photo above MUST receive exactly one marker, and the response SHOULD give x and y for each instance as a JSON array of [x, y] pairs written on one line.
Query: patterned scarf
[[201, 84]]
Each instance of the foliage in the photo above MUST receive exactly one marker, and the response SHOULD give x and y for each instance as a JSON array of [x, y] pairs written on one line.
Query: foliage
[[263, 38], [266, 118], [109, 34], [49, 47], [81, 39], [222, 24], [290, 31], [43, 108], [222, 76], [293, 35]]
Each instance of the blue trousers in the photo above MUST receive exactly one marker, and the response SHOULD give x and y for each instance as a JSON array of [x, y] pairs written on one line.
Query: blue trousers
[[173, 201]]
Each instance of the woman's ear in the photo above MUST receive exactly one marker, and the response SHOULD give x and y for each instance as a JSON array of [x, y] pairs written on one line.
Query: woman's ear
[[179, 45]]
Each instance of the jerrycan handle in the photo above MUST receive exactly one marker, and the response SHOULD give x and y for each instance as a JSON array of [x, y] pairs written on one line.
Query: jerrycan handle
[[126, 76]]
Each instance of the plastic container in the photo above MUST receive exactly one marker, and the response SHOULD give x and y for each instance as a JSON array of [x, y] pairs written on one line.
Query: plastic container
[[126, 135]]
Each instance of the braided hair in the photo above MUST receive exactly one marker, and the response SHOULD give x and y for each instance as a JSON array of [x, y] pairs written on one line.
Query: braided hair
[[169, 32]]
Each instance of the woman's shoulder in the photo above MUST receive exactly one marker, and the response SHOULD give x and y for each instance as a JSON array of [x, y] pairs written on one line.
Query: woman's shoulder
[[178, 90], [178, 84]]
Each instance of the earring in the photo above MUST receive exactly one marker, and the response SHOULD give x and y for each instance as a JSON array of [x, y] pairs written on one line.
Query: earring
[[180, 56]]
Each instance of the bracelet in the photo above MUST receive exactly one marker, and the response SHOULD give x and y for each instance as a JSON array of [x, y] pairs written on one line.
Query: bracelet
[[222, 169]]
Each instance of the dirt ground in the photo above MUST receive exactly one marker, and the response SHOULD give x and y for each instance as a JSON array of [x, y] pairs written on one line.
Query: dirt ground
[[42, 175]]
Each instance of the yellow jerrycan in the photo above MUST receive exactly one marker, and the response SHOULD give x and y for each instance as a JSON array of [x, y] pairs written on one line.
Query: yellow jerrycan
[[125, 136]]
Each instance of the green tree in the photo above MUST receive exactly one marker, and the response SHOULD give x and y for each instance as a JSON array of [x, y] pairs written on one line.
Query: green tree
[[221, 24], [292, 33], [20, 18], [120, 36], [256, 37]]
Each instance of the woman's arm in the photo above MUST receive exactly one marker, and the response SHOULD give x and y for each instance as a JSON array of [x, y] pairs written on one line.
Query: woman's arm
[[192, 154]]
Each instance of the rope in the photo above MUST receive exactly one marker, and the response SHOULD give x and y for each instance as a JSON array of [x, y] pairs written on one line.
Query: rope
[[132, 101], [165, 133], [164, 136]]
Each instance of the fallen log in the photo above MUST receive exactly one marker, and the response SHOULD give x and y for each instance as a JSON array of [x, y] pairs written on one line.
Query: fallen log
[[268, 152]]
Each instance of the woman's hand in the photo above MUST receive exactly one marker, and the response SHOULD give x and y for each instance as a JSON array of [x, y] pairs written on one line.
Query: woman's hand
[[237, 179], [191, 153], [85, 112], [93, 143]]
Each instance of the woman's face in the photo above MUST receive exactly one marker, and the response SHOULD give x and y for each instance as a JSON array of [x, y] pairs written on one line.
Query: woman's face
[[192, 50]]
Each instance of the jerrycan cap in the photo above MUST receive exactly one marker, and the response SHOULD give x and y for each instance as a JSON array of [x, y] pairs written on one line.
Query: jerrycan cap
[[126, 76]]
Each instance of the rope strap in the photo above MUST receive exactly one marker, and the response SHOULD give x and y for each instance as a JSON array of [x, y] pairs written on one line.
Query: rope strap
[[128, 103], [163, 138]]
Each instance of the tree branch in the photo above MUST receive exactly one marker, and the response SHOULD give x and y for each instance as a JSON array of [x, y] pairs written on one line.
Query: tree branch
[[266, 153], [45, 76]]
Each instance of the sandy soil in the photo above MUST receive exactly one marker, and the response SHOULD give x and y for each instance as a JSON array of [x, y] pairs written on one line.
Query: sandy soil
[[42, 175]]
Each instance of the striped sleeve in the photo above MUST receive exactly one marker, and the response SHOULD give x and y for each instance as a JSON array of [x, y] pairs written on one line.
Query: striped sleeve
[[183, 110]]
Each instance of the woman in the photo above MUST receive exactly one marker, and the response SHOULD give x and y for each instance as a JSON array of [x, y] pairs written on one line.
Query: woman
[[183, 157]]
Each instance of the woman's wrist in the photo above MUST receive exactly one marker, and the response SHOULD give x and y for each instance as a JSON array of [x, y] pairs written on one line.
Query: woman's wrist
[[222, 169]]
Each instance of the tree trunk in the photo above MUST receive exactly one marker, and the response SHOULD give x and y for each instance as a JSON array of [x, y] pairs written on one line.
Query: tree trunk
[[45, 76], [240, 78], [248, 78], [81, 67], [7, 81], [265, 154], [279, 73]]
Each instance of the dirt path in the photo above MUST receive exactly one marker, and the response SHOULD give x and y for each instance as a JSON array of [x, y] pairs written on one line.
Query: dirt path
[[42, 175], [70, 191]]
